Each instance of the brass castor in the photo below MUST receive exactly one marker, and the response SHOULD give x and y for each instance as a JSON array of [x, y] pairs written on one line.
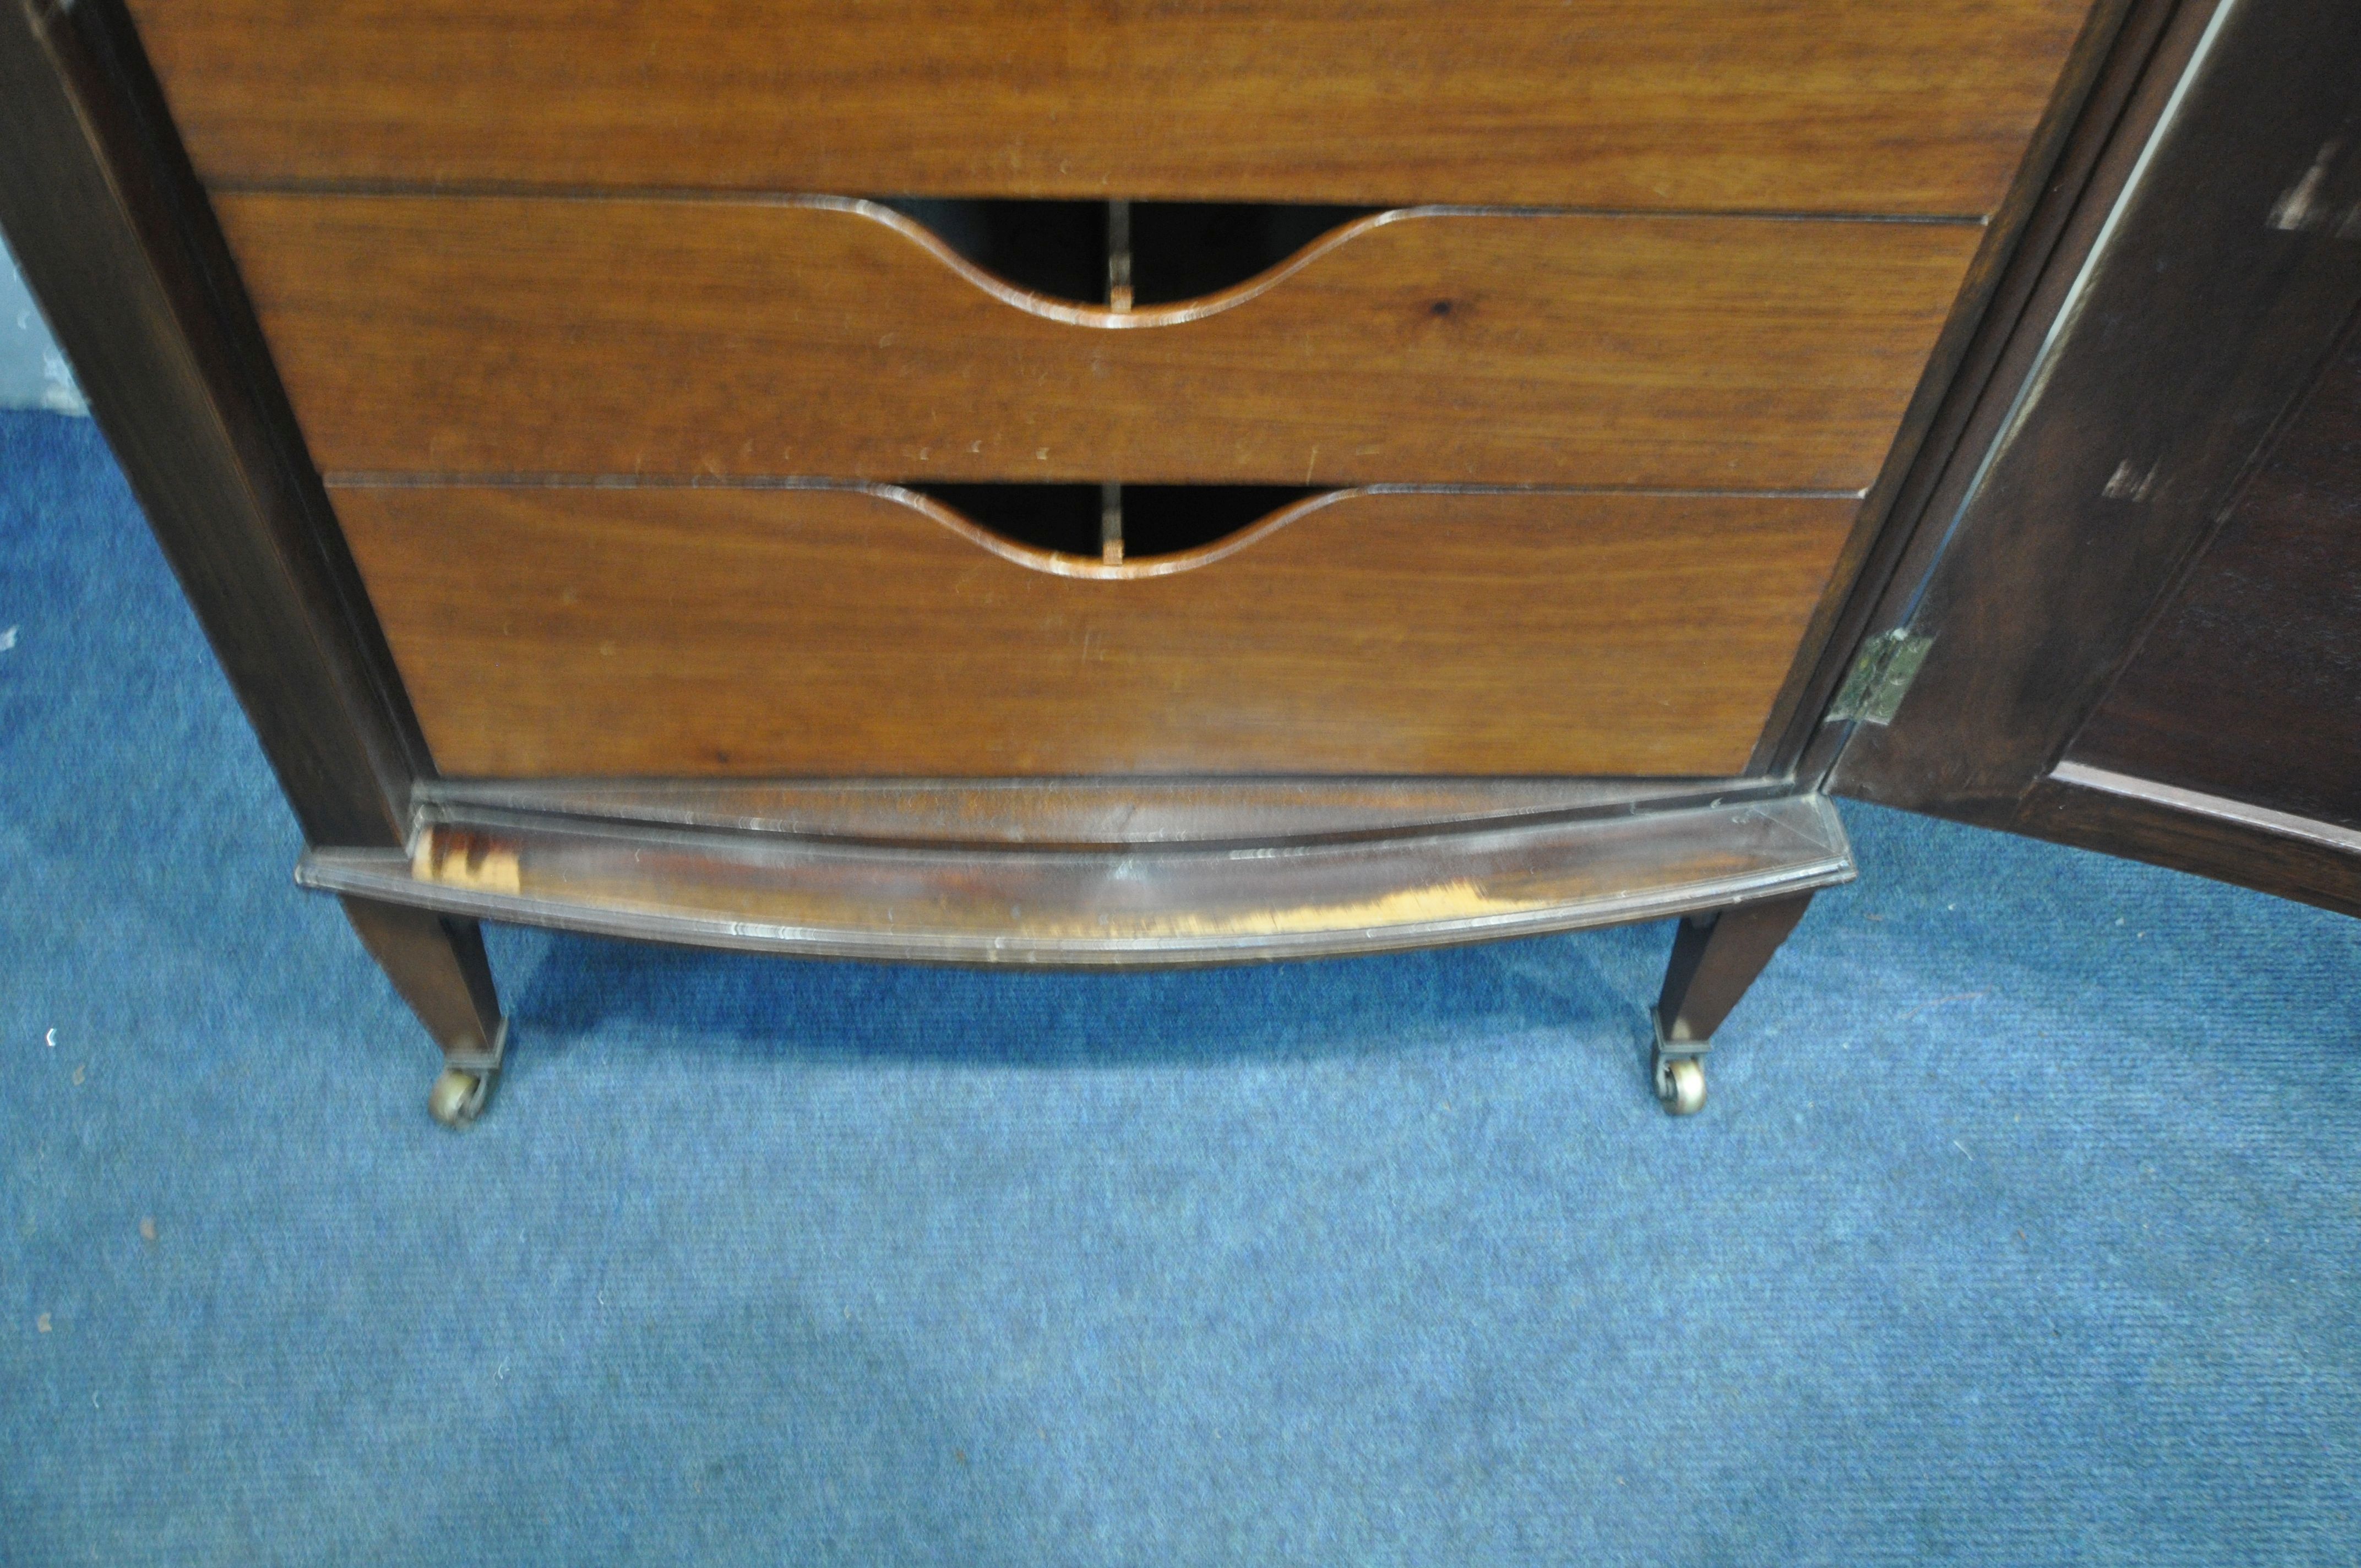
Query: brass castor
[[459, 1096], [1680, 1084], [1678, 1070]]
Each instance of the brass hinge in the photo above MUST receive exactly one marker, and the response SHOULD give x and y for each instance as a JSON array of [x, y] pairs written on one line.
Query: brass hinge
[[1881, 677]]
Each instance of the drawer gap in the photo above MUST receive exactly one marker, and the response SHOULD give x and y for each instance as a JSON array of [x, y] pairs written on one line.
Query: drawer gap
[[1112, 521], [1125, 254]]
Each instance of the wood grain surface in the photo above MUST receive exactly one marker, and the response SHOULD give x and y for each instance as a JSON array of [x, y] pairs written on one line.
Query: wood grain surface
[[2249, 684], [111, 228], [1821, 105], [2280, 864], [2226, 280], [735, 339], [683, 631], [1978, 353]]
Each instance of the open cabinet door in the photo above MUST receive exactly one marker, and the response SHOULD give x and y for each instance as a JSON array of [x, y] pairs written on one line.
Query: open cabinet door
[[2128, 614]]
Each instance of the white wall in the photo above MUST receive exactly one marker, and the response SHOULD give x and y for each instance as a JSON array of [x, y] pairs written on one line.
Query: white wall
[[33, 374]]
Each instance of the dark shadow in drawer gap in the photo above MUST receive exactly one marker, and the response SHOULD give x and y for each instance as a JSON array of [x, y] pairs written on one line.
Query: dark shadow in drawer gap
[[1077, 251], [1150, 519]]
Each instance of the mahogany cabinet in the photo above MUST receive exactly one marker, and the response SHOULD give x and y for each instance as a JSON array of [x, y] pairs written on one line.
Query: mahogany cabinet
[[996, 482]]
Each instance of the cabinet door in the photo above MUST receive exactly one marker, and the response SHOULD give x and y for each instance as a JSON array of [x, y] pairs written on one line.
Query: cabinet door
[[2137, 581]]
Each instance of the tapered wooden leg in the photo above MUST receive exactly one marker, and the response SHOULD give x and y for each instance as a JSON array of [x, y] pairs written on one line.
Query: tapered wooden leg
[[437, 964], [1715, 959]]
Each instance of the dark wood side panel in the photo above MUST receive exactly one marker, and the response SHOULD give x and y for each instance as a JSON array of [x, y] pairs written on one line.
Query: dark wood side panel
[[730, 339], [2119, 45], [2209, 311], [1820, 105], [2249, 685], [2280, 864], [113, 233], [840, 631], [2155, 379]]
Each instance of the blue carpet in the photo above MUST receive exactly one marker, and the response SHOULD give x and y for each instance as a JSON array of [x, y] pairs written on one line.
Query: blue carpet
[[2022, 1227]]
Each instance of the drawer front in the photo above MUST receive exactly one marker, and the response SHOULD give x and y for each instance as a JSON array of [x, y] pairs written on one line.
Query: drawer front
[[736, 339], [1767, 106], [551, 631]]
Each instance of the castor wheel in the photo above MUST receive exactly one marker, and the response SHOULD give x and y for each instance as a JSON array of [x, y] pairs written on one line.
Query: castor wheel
[[1678, 1069], [468, 1070], [459, 1096], [1680, 1084]]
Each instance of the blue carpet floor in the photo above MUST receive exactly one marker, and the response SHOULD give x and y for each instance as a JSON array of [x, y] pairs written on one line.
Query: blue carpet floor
[[2022, 1227]]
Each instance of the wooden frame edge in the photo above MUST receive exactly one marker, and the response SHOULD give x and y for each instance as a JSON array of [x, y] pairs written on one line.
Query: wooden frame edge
[[1089, 907], [2101, 74], [2228, 844], [1995, 706], [116, 239]]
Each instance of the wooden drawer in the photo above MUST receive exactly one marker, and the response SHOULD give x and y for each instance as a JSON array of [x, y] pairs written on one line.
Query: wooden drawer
[[738, 339], [846, 631], [1767, 106]]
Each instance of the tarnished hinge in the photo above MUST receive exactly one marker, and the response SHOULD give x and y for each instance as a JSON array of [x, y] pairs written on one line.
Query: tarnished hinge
[[1881, 677]]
